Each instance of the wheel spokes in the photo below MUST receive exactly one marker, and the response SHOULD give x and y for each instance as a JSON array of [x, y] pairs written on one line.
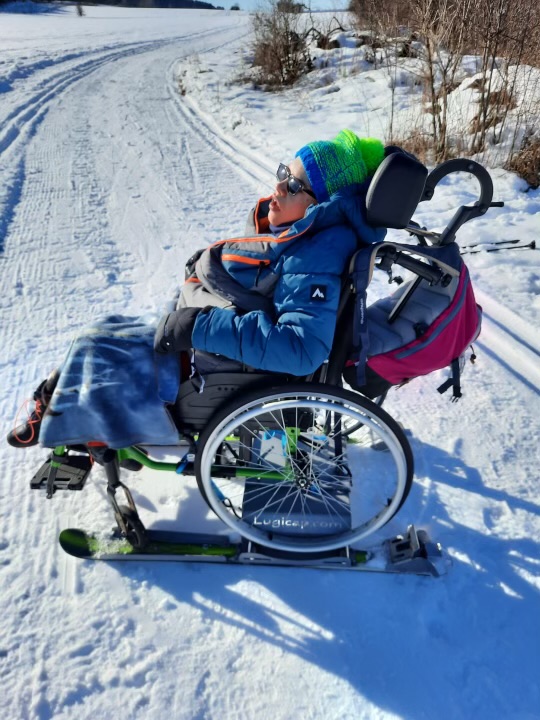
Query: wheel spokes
[[288, 471]]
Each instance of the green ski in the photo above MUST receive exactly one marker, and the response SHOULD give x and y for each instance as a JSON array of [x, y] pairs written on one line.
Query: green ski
[[410, 554]]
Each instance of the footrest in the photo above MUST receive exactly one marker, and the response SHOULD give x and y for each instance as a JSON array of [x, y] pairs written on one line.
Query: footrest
[[69, 472], [414, 552]]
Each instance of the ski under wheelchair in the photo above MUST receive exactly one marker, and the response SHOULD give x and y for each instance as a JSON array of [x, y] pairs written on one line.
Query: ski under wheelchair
[[303, 471]]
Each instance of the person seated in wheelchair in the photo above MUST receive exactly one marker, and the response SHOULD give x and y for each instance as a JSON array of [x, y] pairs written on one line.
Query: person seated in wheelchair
[[268, 301]]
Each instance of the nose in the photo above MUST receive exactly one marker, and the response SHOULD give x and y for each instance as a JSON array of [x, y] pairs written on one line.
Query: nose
[[281, 187]]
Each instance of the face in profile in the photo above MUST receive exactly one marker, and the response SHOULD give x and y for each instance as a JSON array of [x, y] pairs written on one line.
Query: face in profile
[[291, 197]]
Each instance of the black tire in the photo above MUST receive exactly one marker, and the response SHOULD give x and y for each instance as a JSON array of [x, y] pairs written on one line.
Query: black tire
[[378, 401]]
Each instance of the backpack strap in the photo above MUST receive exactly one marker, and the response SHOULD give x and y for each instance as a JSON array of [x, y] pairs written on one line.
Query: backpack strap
[[453, 381], [361, 271]]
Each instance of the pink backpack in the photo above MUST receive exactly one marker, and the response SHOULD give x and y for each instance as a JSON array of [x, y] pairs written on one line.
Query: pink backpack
[[422, 327], [429, 322]]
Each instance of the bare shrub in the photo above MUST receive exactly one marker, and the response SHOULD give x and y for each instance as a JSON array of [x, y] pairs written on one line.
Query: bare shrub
[[526, 162], [289, 6], [369, 13], [280, 51], [324, 31], [417, 142], [440, 26], [499, 103], [503, 34]]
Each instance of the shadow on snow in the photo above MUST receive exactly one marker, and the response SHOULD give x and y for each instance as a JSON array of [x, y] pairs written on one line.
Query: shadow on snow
[[458, 647]]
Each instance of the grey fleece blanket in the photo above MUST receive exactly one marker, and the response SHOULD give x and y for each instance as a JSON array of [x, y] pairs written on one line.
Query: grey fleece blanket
[[113, 388]]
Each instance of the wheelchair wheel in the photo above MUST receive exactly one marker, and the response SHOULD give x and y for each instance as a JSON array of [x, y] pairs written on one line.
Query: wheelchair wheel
[[354, 425], [283, 469]]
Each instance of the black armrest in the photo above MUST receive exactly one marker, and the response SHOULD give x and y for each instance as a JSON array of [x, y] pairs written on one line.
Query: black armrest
[[389, 255]]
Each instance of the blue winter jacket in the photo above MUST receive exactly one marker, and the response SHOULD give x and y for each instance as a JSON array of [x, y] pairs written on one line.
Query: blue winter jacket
[[280, 295]]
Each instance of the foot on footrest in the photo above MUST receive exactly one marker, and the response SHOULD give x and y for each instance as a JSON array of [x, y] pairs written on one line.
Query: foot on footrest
[[67, 472]]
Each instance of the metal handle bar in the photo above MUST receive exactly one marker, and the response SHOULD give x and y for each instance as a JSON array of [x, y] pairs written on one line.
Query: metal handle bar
[[464, 213], [432, 274], [391, 256], [460, 165]]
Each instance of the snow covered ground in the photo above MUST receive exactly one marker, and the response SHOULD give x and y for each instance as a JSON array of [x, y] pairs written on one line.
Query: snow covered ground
[[109, 178]]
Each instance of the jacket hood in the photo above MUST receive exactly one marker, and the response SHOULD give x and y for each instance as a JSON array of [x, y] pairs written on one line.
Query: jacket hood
[[345, 207]]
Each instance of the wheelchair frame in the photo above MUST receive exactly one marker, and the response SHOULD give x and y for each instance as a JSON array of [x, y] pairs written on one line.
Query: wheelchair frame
[[301, 483]]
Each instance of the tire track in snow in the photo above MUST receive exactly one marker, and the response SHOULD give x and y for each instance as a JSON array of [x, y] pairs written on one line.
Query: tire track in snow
[[22, 122], [91, 60], [51, 247], [32, 261]]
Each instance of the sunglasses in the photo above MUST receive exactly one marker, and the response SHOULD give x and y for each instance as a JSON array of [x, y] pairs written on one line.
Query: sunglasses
[[294, 185]]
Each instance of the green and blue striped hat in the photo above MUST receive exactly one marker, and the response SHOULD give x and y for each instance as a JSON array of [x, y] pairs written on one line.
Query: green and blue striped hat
[[346, 160]]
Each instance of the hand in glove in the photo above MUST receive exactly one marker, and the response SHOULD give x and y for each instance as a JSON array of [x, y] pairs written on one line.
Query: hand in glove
[[174, 331]]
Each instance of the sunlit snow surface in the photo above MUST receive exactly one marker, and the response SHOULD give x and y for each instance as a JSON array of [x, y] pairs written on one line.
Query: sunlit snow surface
[[110, 178]]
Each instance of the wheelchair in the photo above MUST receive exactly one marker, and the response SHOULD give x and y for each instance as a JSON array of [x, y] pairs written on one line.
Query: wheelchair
[[302, 465]]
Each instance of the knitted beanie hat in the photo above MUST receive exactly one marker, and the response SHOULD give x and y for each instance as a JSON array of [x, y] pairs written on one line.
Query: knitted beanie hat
[[333, 164]]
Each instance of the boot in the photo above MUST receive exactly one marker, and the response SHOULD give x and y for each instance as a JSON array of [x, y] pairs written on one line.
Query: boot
[[27, 434]]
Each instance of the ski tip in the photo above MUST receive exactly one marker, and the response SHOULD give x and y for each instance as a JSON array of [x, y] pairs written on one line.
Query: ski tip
[[76, 542]]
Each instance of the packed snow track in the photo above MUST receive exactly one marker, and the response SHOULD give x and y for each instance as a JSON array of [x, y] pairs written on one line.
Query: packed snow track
[[113, 170]]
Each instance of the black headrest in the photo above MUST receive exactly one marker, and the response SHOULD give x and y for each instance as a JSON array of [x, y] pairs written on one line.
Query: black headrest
[[395, 190]]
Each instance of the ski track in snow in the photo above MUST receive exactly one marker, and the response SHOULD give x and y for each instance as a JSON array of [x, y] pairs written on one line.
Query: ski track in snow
[[511, 340], [43, 179], [22, 121], [99, 217]]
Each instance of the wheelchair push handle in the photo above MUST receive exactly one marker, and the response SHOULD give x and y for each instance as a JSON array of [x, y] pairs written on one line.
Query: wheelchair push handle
[[460, 165], [464, 213]]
